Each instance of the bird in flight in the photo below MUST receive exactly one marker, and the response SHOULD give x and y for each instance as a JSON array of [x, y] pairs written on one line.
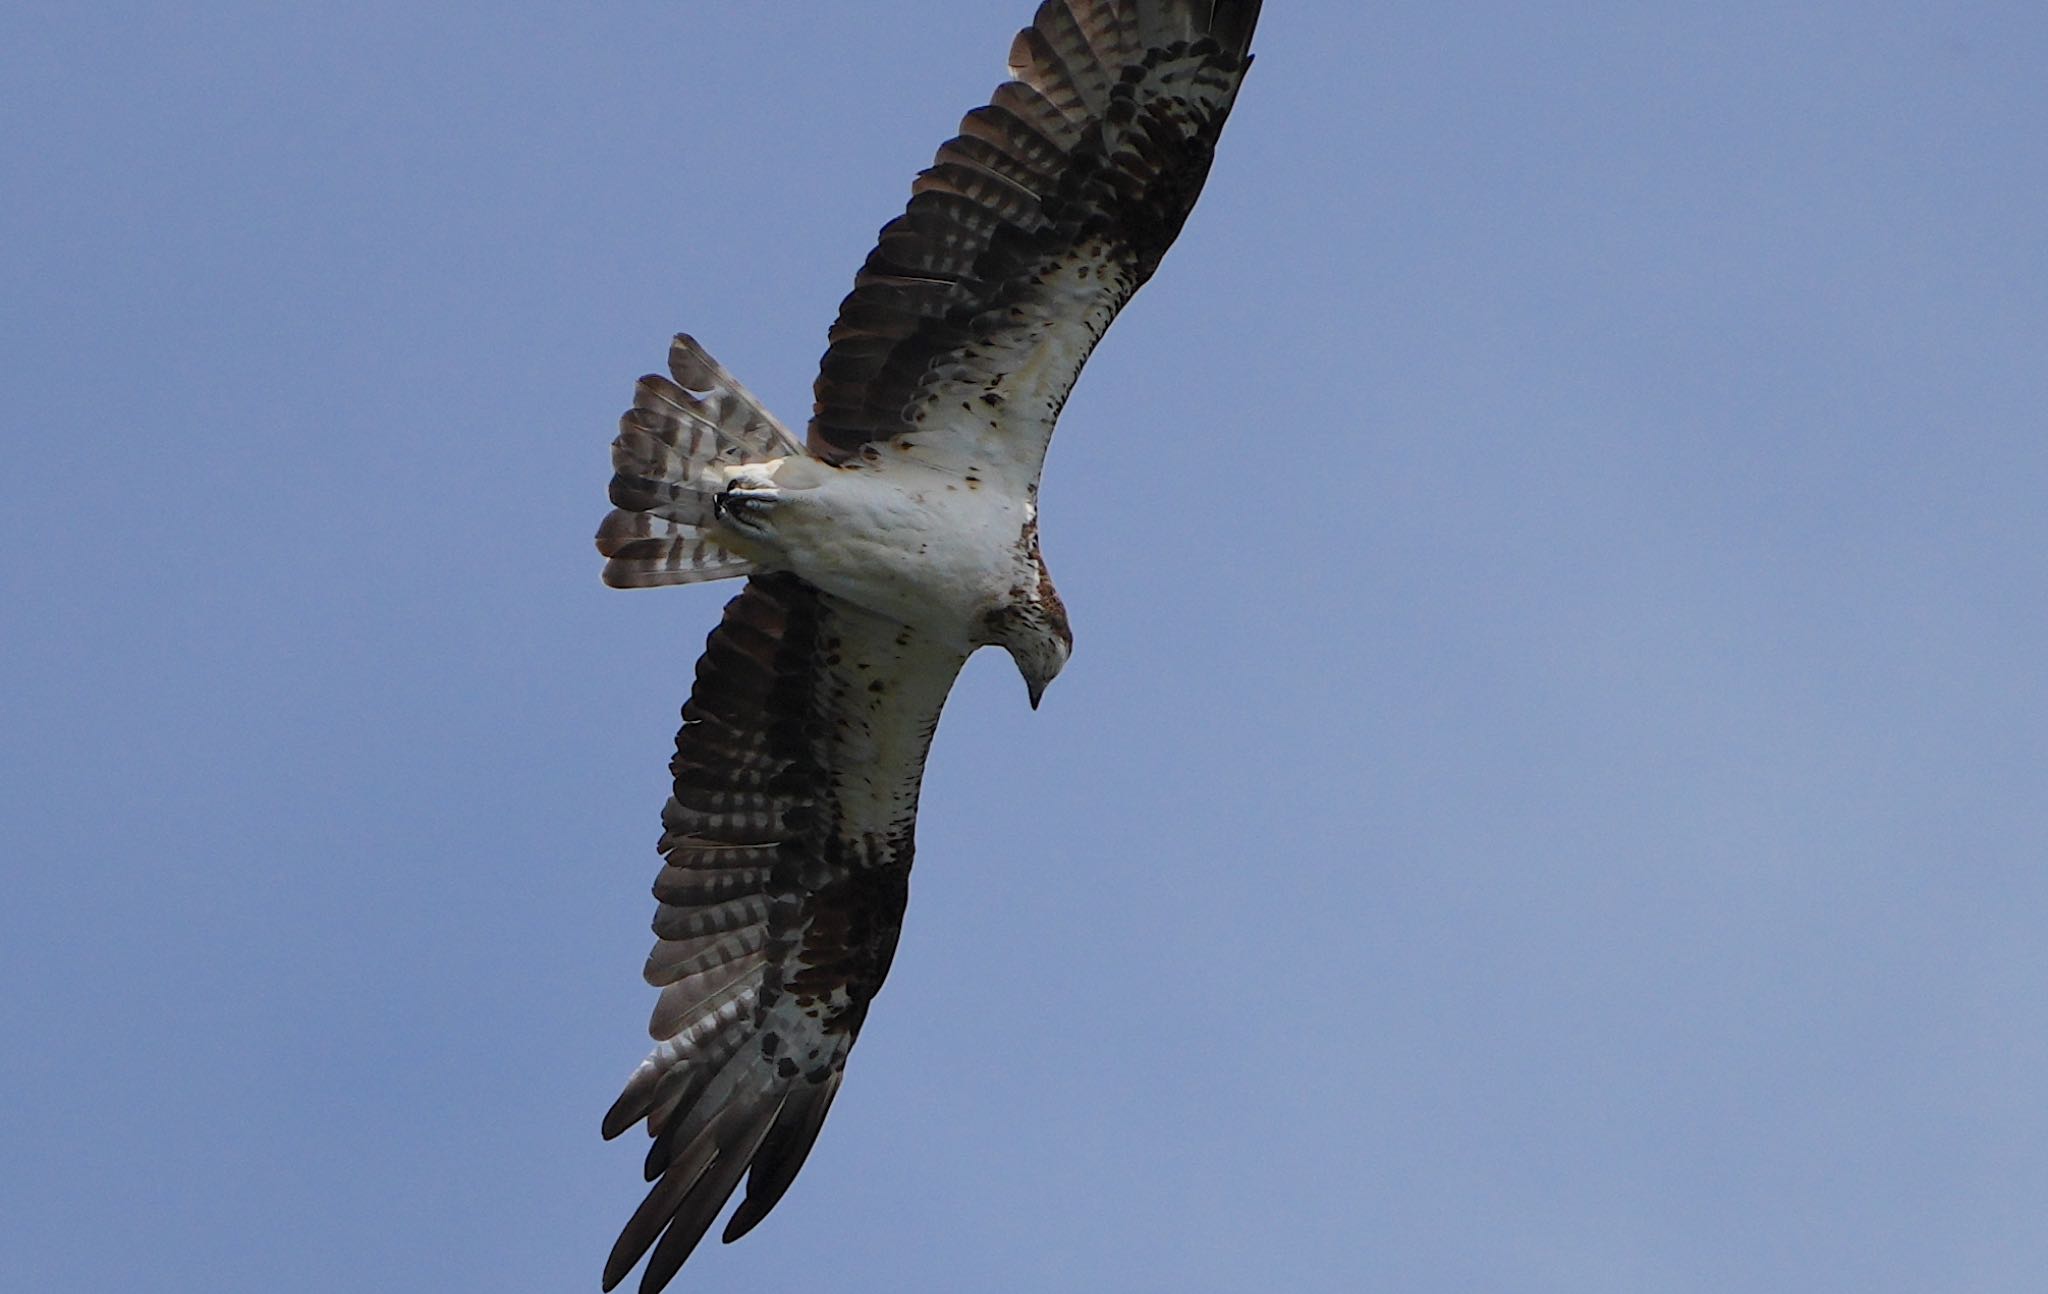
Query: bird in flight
[[880, 551]]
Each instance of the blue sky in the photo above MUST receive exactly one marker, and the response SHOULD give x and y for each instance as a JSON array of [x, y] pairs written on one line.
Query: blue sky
[[1548, 795]]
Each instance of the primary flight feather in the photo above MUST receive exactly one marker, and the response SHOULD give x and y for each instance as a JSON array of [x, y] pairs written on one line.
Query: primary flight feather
[[897, 538]]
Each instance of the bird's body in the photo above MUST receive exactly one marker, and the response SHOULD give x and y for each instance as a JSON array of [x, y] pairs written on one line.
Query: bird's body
[[916, 542], [896, 539]]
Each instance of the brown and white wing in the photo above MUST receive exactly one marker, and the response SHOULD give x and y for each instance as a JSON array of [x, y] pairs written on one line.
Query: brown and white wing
[[788, 842], [972, 318]]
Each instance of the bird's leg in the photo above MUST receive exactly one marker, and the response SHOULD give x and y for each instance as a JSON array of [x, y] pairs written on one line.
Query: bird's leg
[[746, 502]]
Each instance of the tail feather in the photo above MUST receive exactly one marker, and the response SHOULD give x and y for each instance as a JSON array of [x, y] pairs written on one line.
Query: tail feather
[[662, 529], [644, 551], [739, 416]]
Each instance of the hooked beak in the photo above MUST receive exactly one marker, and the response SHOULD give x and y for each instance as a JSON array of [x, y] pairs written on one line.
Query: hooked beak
[[1037, 690]]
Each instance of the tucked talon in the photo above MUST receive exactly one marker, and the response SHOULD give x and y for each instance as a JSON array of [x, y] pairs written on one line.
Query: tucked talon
[[740, 504]]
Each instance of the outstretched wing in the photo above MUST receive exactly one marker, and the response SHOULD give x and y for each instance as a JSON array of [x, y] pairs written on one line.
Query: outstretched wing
[[974, 314], [788, 842]]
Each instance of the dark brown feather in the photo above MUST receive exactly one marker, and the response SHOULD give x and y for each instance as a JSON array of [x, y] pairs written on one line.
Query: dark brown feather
[[1098, 147], [783, 1153]]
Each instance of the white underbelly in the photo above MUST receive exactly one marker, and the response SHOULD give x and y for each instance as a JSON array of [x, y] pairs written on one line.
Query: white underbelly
[[917, 546]]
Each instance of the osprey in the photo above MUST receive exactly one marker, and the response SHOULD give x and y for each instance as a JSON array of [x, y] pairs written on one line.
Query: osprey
[[900, 535]]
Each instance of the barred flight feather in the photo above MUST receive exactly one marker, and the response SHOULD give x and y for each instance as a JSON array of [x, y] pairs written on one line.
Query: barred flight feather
[[673, 959], [691, 879], [673, 921], [682, 1000]]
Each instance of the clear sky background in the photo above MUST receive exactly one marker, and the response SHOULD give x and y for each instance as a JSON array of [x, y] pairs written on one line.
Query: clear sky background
[[1549, 795]]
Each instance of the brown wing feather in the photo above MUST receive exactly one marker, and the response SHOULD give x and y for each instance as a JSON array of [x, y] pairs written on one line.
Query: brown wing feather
[[788, 840], [1034, 226]]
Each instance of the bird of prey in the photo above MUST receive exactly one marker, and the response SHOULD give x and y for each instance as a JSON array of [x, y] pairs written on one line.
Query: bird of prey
[[896, 538]]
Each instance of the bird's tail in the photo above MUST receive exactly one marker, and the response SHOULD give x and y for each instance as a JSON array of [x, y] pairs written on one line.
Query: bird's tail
[[663, 526]]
